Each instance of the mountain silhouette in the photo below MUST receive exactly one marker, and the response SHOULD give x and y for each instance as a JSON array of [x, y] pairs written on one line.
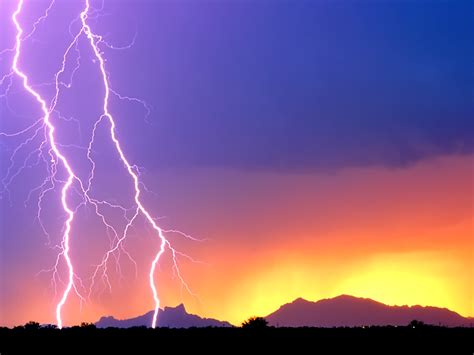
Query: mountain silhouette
[[172, 317], [350, 311], [340, 311]]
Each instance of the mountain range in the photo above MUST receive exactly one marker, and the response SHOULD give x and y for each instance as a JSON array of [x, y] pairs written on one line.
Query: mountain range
[[350, 311], [340, 311]]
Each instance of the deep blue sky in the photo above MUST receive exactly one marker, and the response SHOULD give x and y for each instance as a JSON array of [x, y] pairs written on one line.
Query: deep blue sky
[[298, 85]]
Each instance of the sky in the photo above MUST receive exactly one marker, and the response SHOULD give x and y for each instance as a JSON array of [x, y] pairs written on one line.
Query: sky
[[316, 147]]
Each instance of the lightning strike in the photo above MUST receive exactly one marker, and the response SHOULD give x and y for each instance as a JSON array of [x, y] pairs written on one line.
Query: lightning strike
[[51, 153], [57, 156]]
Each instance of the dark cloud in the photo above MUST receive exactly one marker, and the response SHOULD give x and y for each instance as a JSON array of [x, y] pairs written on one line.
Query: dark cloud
[[300, 84]]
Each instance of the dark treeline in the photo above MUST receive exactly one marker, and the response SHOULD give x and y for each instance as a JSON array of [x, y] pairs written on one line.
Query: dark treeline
[[415, 338]]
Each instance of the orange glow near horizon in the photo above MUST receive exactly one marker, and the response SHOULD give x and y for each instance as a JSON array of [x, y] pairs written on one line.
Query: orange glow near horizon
[[423, 278], [398, 236]]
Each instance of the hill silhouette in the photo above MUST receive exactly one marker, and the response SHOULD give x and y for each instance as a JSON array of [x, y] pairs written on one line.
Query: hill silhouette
[[350, 311], [171, 317]]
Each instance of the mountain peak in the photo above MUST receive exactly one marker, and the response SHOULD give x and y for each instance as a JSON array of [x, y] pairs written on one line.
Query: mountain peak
[[171, 317], [178, 309], [346, 297], [300, 300]]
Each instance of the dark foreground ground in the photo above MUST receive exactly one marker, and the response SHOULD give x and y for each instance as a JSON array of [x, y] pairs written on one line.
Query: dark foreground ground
[[374, 340]]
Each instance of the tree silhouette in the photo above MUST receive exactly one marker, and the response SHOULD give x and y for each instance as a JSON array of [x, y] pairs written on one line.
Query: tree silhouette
[[31, 325], [88, 325], [255, 323]]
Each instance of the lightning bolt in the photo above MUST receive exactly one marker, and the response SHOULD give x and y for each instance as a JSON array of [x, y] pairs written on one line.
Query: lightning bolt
[[50, 152], [57, 156]]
